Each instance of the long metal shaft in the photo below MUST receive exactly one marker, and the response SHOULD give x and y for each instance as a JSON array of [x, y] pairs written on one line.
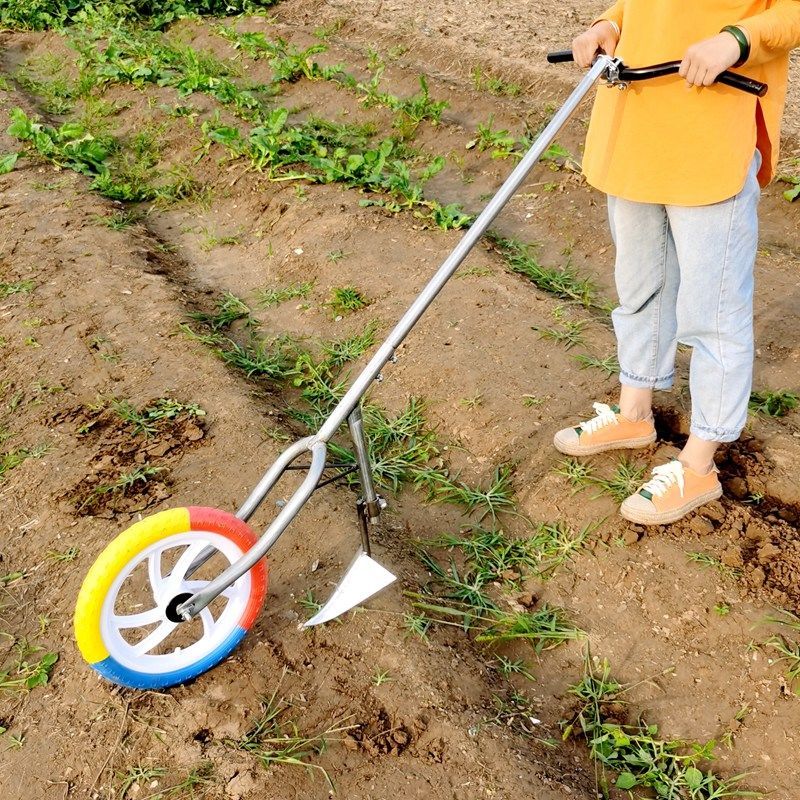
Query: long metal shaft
[[347, 405], [462, 250]]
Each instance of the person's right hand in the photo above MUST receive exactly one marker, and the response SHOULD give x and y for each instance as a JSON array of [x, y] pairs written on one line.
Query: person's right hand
[[602, 36]]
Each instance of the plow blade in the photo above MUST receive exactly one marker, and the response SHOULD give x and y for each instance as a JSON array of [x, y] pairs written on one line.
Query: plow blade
[[365, 578]]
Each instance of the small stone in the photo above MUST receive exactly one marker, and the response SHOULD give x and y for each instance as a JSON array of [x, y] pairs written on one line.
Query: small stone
[[758, 576], [768, 552], [701, 526], [732, 557], [714, 510], [401, 737], [755, 532], [193, 432], [630, 536], [736, 487], [788, 515]]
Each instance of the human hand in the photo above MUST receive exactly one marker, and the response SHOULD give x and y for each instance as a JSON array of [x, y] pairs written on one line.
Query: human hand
[[602, 36], [704, 61]]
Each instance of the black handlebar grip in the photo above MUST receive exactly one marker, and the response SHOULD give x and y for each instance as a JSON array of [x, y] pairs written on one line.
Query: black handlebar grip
[[741, 82], [559, 57]]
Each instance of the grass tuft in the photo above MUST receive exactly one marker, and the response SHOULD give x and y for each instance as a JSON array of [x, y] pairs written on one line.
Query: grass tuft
[[275, 739]]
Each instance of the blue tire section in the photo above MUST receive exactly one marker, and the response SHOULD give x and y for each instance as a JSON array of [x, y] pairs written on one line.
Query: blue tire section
[[112, 670]]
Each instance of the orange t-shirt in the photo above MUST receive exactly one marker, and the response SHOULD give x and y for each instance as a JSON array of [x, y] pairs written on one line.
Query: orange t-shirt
[[662, 142]]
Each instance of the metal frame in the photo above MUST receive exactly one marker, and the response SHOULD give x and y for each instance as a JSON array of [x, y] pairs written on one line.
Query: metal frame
[[349, 407]]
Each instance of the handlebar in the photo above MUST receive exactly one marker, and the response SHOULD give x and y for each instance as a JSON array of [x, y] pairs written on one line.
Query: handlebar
[[626, 74]]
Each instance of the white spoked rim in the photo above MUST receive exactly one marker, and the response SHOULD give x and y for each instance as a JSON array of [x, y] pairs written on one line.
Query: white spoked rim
[[138, 655]]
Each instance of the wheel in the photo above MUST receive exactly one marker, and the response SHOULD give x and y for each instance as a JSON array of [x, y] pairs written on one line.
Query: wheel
[[125, 620]]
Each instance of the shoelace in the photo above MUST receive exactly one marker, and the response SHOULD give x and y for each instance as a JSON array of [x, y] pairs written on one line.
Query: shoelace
[[605, 416], [663, 477]]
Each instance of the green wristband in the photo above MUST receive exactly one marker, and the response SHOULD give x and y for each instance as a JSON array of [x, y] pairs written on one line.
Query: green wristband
[[741, 38]]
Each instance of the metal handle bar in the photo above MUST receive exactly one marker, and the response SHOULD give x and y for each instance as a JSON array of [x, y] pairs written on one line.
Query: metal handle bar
[[732, 79]]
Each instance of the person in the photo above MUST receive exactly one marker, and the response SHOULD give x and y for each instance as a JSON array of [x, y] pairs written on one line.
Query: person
[[682, 161]]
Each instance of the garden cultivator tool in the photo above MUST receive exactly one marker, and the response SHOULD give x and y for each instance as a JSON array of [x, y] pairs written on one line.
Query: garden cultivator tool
[[174, 594]]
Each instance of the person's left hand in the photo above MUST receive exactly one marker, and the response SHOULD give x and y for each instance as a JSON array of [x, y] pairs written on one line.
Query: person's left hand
[[705, 60]]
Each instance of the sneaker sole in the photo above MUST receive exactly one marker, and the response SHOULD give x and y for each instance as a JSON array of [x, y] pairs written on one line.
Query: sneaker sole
[[575, 449], [665, 517]]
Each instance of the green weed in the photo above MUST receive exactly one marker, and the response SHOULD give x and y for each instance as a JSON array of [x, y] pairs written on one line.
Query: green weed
[[399, 445], [70, 554], [788, 652], [563, 283], [272, 359], [118, 221], [793, 192], [211, 240], [609, 365], [484, 501], [569, 334], [148, 419], [707, 560], [43, 14], [558, 156], [672, 768], [544, 629], [275, 740], [7, 162], [229, 308], [17, 287], [624, 481], [14, 458], [508, 667], [341, 351], [500, 142], [345, 300], [494, 85], [31, 668], [773, 404], [514, 712], [136, 776], [381, 676], [417, 625], [125, 482], [276, 295]]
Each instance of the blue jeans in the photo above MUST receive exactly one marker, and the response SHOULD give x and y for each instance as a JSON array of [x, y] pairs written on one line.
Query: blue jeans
[[685, 274]]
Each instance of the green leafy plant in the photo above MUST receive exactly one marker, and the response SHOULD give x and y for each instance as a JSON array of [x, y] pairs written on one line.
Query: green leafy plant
[[773, 404], [672, 768], [31, 668], [17, 287], [569, 334], [148, 419], [624, 481], [500, 142], [707, 560], [341, 351]]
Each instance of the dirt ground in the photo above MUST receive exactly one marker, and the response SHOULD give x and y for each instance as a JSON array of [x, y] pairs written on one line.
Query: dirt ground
[[101, 319]]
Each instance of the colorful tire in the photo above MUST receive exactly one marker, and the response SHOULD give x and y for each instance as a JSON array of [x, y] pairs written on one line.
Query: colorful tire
[[98, 625]]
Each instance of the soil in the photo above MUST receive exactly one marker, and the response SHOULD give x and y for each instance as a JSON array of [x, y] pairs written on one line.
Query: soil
[[103, 322]]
